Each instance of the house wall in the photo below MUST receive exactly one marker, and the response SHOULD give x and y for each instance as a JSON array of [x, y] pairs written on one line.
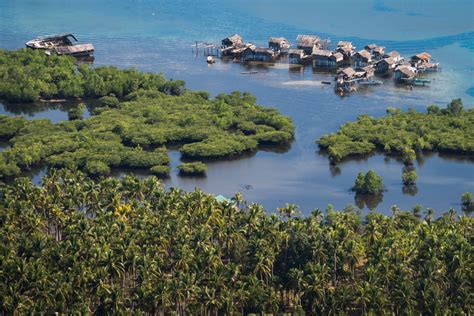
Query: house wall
[[324, 62], [227, 43], [262, 57], [247, 55], [360, 63], [398, 75], [307, 50], [275, 46], [377, 56], [294, 59]]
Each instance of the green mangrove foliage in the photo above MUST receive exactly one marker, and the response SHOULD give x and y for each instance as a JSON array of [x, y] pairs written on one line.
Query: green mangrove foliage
[[467, 203], [443, 130], [369, 183], [76, 113], [160, 170], [192, 168], [28, 75], [127, 246], [128, 135], [409, 177]]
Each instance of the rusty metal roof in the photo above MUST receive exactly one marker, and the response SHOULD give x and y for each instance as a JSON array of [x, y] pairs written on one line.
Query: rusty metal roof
[[423, 56]]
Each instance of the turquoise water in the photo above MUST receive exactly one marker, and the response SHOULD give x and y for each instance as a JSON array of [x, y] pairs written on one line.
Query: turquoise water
[[158, 36]]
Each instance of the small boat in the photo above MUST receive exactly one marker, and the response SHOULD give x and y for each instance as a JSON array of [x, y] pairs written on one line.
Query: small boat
[[418, 81], [326, 82], [370, 82], [210, 60], [62, 44], [249, 72]]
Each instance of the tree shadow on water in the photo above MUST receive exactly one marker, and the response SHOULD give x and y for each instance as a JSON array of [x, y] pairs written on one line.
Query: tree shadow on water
[[411, 190], [369, 200]]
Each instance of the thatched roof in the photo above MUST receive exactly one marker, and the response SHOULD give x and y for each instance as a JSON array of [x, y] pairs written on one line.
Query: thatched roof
[[250, 47], [344, 44], [394, 54], [307, 40], [349, 72], [296, 52], [388, 60], [263, 50], [365, 54], [338, 57], [235, 39], [278, 40], [379, 49], [407, 71], [369, 70], [322, 52], [371, 46]]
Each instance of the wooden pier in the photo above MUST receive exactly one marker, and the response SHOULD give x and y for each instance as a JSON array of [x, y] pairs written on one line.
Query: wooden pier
[[206, 49]]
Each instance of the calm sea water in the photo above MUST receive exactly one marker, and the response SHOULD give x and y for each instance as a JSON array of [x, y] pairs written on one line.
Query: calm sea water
[[158, 36]]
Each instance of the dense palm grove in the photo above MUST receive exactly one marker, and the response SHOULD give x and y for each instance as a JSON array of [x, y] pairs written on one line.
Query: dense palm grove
[[444, 130], [75, 245]]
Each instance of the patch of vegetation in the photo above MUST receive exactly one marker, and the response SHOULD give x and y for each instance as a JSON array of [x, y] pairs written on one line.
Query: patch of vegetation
[[196, 168], [443, 130], [27, 75], [369, 183], [160, 170], [76, 113], [409, 177], [136, 113], [467, 203], [125, 136], [128, 246]]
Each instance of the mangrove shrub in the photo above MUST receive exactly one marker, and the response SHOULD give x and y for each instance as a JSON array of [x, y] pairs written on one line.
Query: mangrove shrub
[[369, 183], [192, 168], [405, 133]]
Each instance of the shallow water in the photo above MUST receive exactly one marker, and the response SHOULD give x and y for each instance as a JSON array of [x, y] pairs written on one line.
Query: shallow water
[[55, 112], [158, 36]]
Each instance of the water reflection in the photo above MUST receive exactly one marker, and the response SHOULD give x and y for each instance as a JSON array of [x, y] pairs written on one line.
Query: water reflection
[[54, 111], [335, 170], [4, 145], [411, 190], [371, 201]]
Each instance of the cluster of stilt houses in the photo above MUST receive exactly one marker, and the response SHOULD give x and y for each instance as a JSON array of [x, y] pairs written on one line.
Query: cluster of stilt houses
[[353, 67]]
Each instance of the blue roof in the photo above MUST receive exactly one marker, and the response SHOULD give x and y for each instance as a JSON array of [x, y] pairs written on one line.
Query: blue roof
[[221, 198]]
